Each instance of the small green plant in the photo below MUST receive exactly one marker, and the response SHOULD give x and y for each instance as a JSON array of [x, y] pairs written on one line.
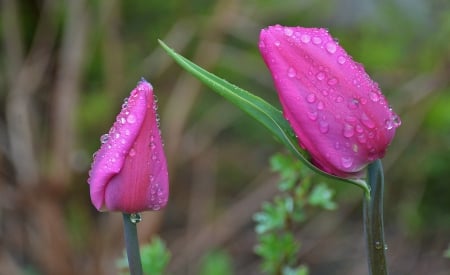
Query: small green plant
[[216, 263], [154, 256], [279, 219]]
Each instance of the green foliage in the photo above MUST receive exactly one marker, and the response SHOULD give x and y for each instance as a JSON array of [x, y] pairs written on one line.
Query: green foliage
[[216, 263], [154, 257], [447, 252], [278, 220], [262, 111]]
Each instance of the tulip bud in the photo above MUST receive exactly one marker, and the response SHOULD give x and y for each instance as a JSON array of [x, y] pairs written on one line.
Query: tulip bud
[[337, 112], [129, 171]]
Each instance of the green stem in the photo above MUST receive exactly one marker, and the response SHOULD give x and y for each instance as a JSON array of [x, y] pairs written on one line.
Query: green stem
[[373, 220], [132, 243]]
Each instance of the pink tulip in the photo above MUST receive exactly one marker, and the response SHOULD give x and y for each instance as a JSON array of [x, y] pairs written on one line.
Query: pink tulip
[[337, 112], [129, 171]]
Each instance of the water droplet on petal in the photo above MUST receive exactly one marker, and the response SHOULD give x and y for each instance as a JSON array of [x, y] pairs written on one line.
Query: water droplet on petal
[[339, 99], [312, 115], [374, 96], [359, 129], [353, 104], [394, 121], [331, 47], [104, 138], [337, 145], [305, 38], [277, 43], [348, 130], [123, 120], [367, 121], [311, 98], [317, 40], [291, 72], [320, 105], [341, 59], [323, 127], [131, 118], [347, 162], [320, 76], [132, 152], [332, 81], [288, 32]]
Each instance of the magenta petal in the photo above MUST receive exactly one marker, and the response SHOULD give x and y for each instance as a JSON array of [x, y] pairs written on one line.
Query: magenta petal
[[338, 113], [129, 172]]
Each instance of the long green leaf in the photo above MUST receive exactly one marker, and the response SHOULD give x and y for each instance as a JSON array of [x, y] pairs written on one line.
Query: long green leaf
[[256, 107]]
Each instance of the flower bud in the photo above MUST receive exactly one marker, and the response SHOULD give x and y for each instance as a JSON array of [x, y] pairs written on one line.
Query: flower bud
[[337, 112], [129, 171]]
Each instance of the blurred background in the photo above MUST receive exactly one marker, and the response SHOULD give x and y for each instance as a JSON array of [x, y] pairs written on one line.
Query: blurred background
[[67, 65]]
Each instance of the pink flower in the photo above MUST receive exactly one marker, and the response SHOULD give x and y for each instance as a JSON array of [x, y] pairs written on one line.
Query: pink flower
[[338, 113], [129, 171]]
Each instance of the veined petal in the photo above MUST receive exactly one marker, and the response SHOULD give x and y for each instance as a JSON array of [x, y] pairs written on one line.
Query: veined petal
[[115, 165], [338, 113]]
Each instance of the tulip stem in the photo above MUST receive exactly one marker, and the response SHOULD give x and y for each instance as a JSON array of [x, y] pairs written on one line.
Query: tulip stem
[[132, 243], [373, 221]]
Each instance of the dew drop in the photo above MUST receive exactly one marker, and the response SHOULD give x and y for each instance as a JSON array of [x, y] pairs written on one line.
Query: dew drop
[[277, 43], [127, 132], [332, 81], [359, 129], [339, 99], [288, 32], [312, 115], [348, 130], [153, 157], [305, 38], [291, 72], [393, 122], [123, 120], [317, 40], [131, 119], [337, 145], [320, 105], [341, 59], [104, 138], [350, 119], [324, 127], [325, 92], [125, 103], [320, 76], [331, 47], [347, 162], [355, 148], [132, 152], [362, 138], [311, 98], [374, 96], [367, 121], [117, 135], [353, 104], [135, 218], [378, 245]]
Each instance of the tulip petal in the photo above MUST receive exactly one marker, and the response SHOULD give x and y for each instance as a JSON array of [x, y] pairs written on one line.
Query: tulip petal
[[338, 113], [113, 158]]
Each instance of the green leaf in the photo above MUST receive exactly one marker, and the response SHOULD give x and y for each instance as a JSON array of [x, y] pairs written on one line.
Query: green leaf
[[263, 112], [322, 196], [216, 263]]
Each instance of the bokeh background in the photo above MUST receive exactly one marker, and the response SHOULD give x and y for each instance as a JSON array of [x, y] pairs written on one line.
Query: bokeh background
[[67, 65]]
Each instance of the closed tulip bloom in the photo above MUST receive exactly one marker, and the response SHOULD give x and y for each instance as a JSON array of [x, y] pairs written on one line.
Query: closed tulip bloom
[[129, 171], [337, 112]]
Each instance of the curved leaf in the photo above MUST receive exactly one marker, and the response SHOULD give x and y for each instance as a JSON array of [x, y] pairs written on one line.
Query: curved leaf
[[263, 112]]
